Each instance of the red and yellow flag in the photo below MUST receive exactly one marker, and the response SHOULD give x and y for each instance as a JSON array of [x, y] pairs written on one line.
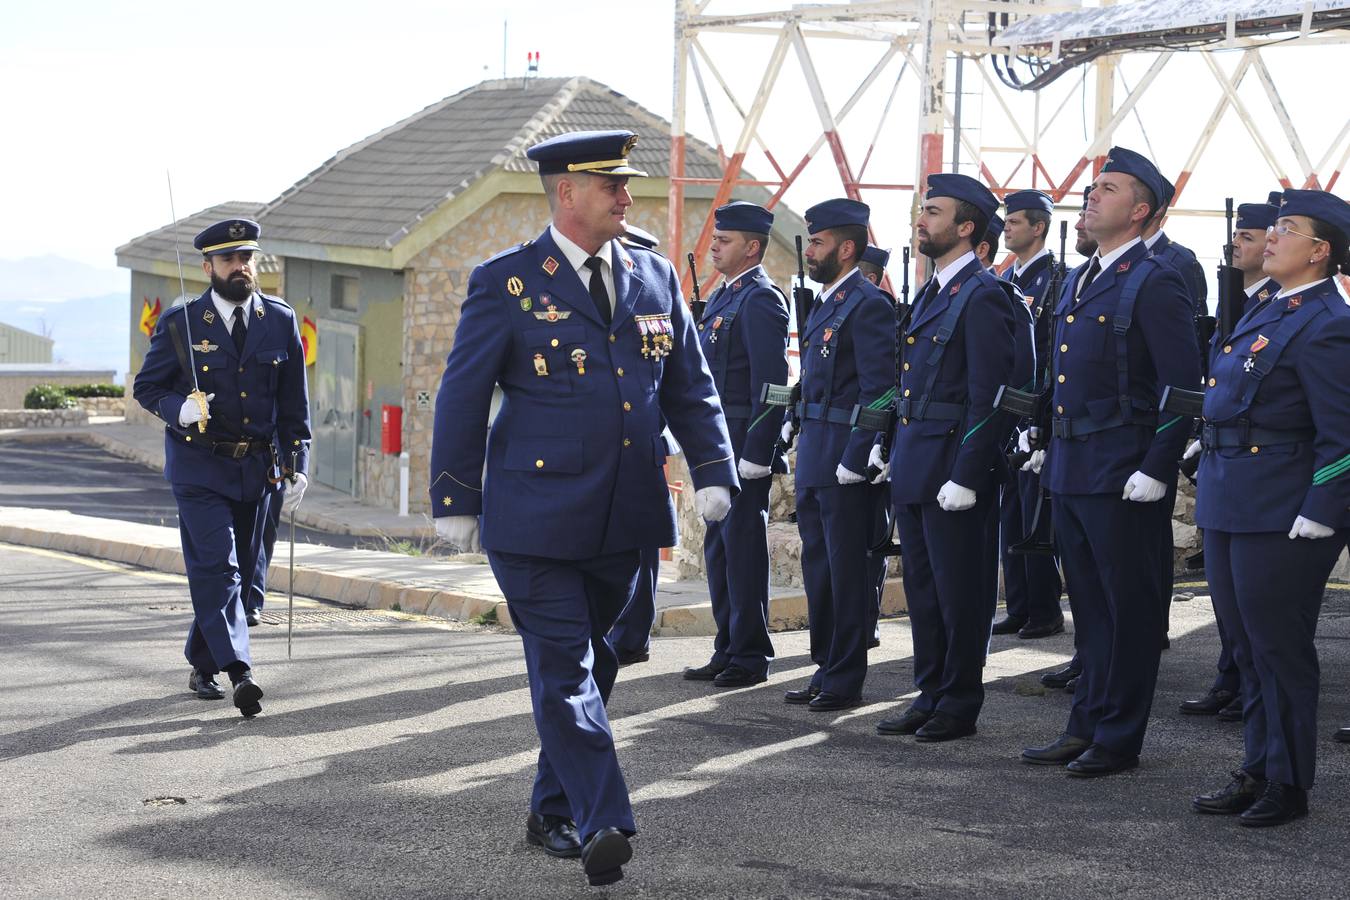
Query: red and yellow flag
[[309, 339], [149, 316]]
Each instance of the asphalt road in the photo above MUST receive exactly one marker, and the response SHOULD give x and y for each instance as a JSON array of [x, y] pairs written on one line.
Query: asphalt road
[[394, 758]]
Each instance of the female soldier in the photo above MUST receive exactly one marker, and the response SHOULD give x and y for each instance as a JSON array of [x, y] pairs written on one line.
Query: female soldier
[[1272, 498]]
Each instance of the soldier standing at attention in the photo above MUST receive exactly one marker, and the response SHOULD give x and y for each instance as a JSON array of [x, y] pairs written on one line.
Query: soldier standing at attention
[[595, 352], [245, 349], [1110, 461], [744, 336], [1273, 497], [873, 267], [958, 349], [848, 359]]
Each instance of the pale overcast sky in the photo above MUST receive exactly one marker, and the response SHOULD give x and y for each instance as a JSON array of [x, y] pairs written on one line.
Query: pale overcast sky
[[100, 99]]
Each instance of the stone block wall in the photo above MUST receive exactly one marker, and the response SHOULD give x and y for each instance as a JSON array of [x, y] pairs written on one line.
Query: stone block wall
[[377, 478], [43, 418], [104, 406]]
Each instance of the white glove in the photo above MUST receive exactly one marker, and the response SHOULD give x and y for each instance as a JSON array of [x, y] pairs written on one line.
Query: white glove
[[1024, 441], [294, 492], [786, 433], [190, 412], [846, 476], [1192, 450], [954, 498], [459, 532], [750, 471], [1034, 462], [874, 459], [1143, 489], [1307, 528], [712, 503]]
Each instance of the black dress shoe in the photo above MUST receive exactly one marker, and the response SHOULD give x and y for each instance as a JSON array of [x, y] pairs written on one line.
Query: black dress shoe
[[805, 695], [1232, 712], [705, 672], [873, 643], [1208, 705], [734, 676], [1342, 735], [1033, 630], [827, 702], [1236, 797], [943, 727], [246, 696], [908, 722], [1008, 625], [1071, 686], [204, 686], [1279, 805], [1060, 677], [558, 836], [251, 617], [1065, 749], [1097, 761], [627, 659], [603, 856]]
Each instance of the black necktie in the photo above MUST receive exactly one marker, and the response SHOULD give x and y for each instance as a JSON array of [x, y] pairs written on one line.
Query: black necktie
[[1094, 269], [925, 295], [237, 330], [599, 296]]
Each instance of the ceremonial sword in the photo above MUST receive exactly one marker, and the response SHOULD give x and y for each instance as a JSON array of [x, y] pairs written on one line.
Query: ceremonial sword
[[290, 583], [196, 396]]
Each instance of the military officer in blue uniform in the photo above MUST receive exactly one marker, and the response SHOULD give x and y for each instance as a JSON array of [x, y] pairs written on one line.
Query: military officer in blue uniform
[[873, 268], [1031, 581], [1274, 499], [957, 350], [848, 359], [1224, 698], [986, 251], [1124, 333], [744, 336], [1175, 255], [594, 351], [229, 435]]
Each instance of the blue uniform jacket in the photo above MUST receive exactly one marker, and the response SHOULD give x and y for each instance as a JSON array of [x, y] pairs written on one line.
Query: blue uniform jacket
[[1035, 280], [1267, 290], [848, 358], [260, 394], [964, 444], [575, 455], [1192, 273], [1161, 350], [1265, 482], [744, 336]]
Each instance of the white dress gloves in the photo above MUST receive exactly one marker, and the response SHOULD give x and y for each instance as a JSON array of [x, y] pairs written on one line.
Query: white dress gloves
[[712, 503], [459, 532], [954, 498], [1143, 489]]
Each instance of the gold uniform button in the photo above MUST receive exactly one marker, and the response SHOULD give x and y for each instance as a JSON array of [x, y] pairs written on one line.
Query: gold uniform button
[[619, 371], [700, 327], [206, 368], [1069, 318], [906, 392], [1060, 410], [1212, 382], [906, 367], [1256, 449], [538, 463], [246, 420], [243, 394], [627, 442], [275, 362], [297, 443], [241, 369], [1063, 348], [1101, 319], [910, 339], [1061, 379], [904, 421], [611, 338], [187, 437], [627, 407], [553, 343], [1227, 348]]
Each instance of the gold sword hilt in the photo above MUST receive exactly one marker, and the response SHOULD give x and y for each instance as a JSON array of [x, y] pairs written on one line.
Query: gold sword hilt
[[199, 397]]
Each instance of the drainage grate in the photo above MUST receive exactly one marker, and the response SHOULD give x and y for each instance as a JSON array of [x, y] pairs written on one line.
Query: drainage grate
[[330, 616]]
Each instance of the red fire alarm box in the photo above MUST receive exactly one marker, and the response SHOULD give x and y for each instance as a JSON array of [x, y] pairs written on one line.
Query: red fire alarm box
[[391, 429]]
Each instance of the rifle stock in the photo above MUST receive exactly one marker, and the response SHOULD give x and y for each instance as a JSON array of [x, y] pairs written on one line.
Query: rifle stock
[[698, 304]]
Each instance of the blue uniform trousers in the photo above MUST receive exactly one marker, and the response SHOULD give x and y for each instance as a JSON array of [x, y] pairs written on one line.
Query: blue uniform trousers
[[1031, 583], [1270, 589], [835, 525], [951, 588], [562, 610], [271, 518], [632, 633], [876, 566], [1228, 678], [221, 542], [1109, 548], [736, 553]]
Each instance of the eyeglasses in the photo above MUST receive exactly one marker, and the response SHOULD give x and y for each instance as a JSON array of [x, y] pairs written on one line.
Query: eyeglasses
[[1283, 230]]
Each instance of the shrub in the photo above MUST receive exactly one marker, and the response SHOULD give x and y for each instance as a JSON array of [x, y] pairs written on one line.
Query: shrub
[[95, 390], [48, 396]]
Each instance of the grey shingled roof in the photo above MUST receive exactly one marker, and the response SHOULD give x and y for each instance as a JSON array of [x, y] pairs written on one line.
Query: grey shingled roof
[[374, 192], [158, 245]]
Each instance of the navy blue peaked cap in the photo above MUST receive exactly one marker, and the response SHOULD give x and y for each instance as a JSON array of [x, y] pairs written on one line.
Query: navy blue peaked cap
[[963, 187], [229, 236], [836, 214], [1319, 205], [1128, 162], [597, 152], [740, 215], [876, 256], [1020, 200], [1256, 215]]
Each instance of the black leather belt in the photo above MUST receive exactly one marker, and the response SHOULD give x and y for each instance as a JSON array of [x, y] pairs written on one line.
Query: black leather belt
[[1224, 437], [921, 409], [819, 412], [1081, 426], [231, 449]]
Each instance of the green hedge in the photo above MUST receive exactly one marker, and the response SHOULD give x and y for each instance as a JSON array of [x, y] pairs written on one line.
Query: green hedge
[[95, 390], [48, 396]]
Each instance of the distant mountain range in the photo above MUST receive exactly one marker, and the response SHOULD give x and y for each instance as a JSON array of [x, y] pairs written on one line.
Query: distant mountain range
[[82, 307]]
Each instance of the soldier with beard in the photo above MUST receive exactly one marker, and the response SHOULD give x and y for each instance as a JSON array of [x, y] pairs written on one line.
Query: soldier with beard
[[220, 455]]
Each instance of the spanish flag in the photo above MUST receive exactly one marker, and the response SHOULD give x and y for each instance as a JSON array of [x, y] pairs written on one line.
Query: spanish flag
[[149, 316], [309, 339]]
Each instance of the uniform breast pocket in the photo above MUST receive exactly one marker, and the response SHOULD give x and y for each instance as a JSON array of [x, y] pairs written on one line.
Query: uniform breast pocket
[[545, 456], [557, 358], [270, 361]]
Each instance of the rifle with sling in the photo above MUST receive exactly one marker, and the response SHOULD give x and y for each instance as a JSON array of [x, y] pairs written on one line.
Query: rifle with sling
[[698, 304], [887, 547]]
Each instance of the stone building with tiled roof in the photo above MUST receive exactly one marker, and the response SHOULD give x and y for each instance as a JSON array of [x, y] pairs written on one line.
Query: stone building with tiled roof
[[376, 246]]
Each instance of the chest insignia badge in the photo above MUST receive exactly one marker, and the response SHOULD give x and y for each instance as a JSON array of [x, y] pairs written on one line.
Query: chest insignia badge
[[1295, 301], [1263, 294], [550, 266], [540, 366], [514, 286], [552, 314], [526, 303], [209, 317], [579, 360], [207, 347], [955, 289], [1260, 343], [1123, 267]]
